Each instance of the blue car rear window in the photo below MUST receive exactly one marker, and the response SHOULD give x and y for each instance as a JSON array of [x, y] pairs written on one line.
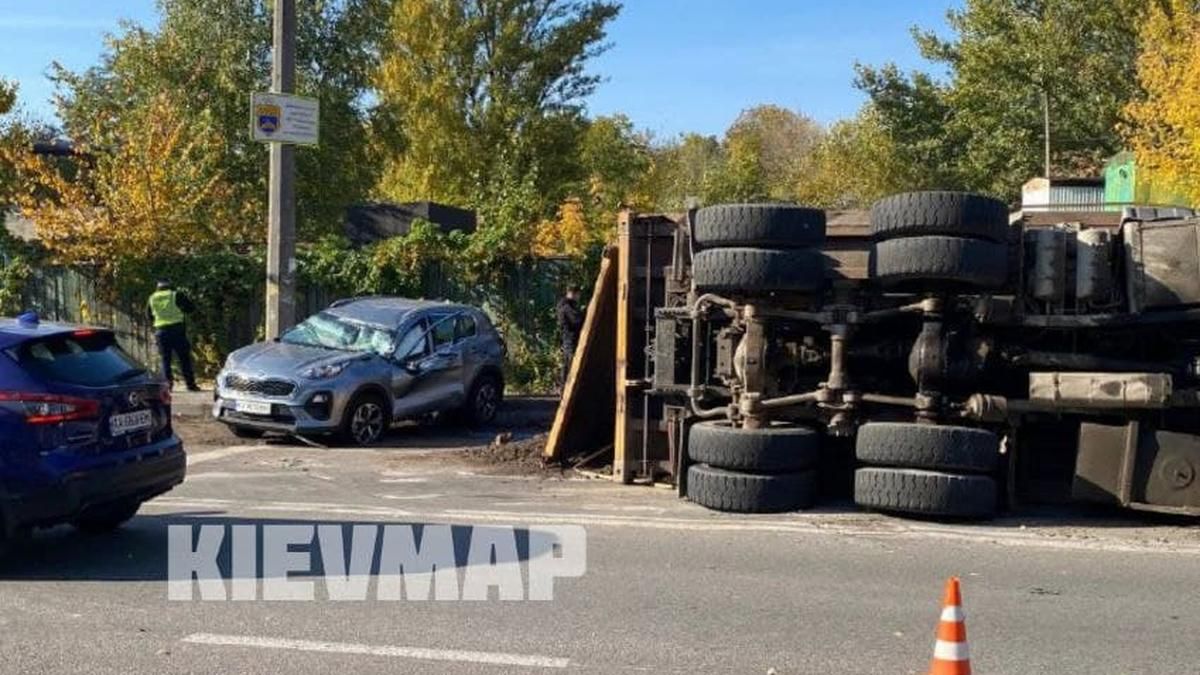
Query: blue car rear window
[[91, 359]]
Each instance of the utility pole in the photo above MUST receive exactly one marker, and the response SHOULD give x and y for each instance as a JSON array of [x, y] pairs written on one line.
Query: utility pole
[[1046, 129], [281, 218]]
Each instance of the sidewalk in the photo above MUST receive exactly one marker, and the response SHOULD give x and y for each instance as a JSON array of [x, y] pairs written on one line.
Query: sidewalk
[[191, 404]]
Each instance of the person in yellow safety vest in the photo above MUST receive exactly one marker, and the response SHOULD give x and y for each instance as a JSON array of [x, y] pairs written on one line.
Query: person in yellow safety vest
[[167, 309]]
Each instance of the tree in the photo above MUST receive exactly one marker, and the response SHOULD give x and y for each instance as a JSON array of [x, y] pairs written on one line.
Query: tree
[[983, 128], [163, 189], [615, 158], [8, 101], [764, 149], [568, 234], [209, 55], [856, 163], [471, 92], [1164, 122], [682, 170]]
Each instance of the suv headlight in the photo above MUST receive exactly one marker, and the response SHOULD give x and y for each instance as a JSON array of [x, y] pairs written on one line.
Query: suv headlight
[[326, 371]]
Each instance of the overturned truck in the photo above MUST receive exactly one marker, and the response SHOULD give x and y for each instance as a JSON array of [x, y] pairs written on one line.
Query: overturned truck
[[947, 362]]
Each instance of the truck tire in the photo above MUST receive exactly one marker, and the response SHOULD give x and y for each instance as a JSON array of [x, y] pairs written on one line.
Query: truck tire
[[925, 493], [724, 490], [777, 448], [925, 446], [938, 260], [757, 270], [764, 225], [955, 214]]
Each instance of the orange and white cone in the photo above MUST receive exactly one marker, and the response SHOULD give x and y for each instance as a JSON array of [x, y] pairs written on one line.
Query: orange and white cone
[[950, 655]]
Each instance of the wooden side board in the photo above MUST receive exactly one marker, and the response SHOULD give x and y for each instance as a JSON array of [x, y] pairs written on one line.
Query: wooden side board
[[584, 419]]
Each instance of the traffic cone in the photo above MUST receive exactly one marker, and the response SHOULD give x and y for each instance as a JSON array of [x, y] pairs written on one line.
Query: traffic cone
[[950, 655]]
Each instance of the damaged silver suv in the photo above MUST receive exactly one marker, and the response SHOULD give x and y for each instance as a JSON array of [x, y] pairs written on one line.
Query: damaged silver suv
[[362, 364]]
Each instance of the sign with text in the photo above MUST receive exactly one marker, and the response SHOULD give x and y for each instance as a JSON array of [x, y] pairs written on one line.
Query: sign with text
[[283, 118]]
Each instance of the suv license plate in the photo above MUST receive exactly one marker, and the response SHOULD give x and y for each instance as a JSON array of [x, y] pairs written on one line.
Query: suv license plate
[[252, 407], [120, 425]]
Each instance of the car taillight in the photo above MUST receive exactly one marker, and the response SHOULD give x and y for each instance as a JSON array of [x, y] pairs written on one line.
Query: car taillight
[[49, 408], [164, 394]]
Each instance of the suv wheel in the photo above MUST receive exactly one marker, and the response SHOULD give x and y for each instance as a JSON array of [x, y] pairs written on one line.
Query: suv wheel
[[365, 420], [483, 401]]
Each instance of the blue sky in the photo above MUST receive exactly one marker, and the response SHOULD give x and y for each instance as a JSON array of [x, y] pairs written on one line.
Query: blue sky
[[674, 65]]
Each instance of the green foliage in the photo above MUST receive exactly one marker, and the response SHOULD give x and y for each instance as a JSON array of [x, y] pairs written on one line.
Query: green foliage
[[682, 170], [760, 158], [15, 271], [856, 163], [765, 148], [482, 95], [14, 275], [1163, 122], [219, 283], [8, 96], [207, 56], [982, 129], [615, 158]]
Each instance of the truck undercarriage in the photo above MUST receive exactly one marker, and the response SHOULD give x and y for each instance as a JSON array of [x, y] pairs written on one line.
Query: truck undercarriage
[[974, 363]]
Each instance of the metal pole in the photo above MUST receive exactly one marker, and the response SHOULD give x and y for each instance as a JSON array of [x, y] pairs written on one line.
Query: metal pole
[[1046, 129], [281, 218]]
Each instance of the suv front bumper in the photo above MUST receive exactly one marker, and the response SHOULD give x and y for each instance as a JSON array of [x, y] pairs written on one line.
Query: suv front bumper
[[296, 414]]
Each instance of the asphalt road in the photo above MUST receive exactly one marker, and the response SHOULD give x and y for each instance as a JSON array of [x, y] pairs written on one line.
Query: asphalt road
[[669, 587]]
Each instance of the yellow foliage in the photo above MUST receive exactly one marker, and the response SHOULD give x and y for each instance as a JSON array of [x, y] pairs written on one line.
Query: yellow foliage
[[159, 190], [1164, 123], [567, 235]]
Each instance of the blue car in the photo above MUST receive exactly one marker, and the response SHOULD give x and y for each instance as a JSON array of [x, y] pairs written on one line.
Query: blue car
[[85, 431]]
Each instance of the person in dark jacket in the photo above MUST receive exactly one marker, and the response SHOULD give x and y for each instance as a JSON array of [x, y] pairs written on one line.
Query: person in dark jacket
[[570, 324], [167, 309]]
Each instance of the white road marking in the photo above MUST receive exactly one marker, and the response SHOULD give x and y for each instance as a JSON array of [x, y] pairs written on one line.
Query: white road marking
[[496, 476], [285, 507], [403, 480], [811, 524], [201, 457], [462, 656], [431, 495], [240, 474]]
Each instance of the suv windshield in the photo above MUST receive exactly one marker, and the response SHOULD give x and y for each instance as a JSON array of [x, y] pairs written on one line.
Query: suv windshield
[[334, 332], [86, 358]]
